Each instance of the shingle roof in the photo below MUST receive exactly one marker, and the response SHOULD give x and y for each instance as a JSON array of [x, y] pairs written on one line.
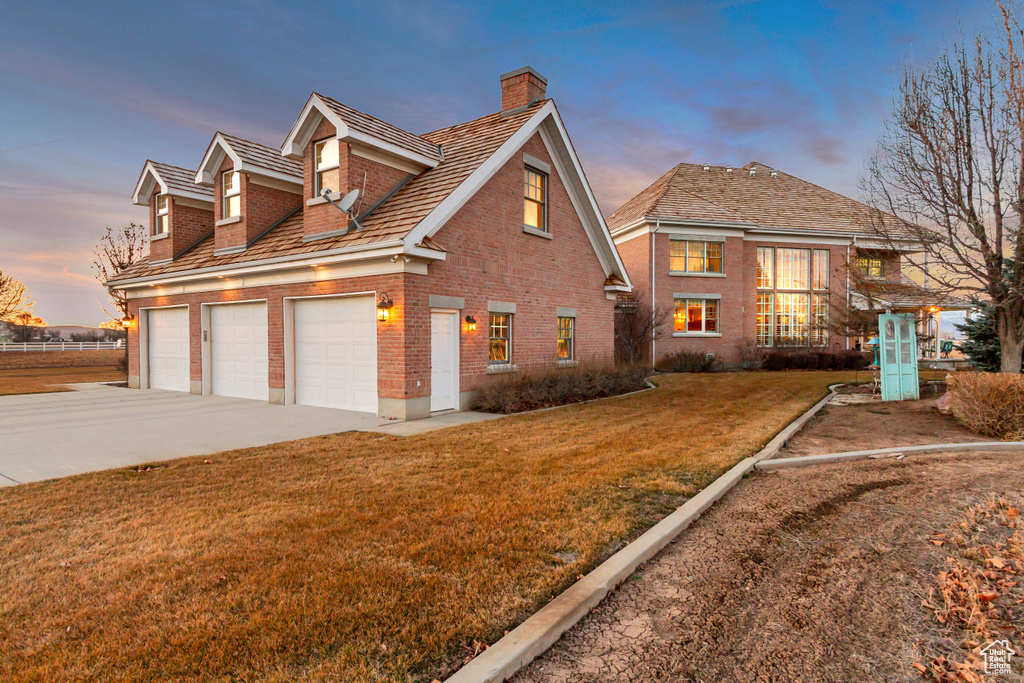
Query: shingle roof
[[907, 294], [262, 156], [180, 179], [688, 192], [466, 147], [372, 126]]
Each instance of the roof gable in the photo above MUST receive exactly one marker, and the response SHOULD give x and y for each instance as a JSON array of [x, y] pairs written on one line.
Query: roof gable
[[170, 180], [249, 157]]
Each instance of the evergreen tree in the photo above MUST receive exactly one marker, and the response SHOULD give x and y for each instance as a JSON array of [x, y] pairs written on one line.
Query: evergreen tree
[[982, 343]]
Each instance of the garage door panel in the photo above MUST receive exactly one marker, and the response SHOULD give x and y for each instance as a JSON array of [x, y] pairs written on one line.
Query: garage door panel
[[336, 353], [238, 350], [168, 352]]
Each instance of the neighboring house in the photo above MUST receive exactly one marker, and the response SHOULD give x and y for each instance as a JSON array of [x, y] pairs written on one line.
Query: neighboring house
[[474, 250], [751, 255]]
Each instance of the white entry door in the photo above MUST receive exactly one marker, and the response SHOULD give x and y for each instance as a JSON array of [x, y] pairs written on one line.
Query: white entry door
[[444, 360], [238, 350], [336, 352], [167, 331]]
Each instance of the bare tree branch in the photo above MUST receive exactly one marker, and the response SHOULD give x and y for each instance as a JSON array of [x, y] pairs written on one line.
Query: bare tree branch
[[117, 251], [14, 297]]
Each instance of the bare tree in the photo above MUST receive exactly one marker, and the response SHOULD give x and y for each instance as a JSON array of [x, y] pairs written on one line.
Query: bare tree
[[950, 167], [636, 325], [24, 326], [14, 296], [117, 251]]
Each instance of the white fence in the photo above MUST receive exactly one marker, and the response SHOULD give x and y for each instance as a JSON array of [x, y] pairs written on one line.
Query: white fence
[[62, 346]]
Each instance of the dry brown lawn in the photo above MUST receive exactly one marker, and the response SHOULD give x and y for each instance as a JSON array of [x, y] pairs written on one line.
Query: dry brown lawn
[[357, 557], [10, 360], [41, 380]]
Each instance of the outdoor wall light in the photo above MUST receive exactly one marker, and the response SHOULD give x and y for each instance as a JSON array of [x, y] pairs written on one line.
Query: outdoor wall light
[[126, 321], [471, 323], [383, 308]]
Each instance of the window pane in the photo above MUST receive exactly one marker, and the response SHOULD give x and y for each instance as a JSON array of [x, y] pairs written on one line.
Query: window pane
[[714, 252], [679, 317], [694, 315], [820, 269], [499, 338], [161, 224], [532, 214], [695, 257], [328, 180], [765, 267], [710, 316], [764, 319], [230, 183], [232, 206], [565, 329], [161, 203], [791, 319], [819, 335], [793, 268], [326, 154], [534, 191], [677, 256], [870, 266]]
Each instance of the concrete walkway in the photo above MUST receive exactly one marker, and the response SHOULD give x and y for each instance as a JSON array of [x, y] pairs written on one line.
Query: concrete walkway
[[97, 427]]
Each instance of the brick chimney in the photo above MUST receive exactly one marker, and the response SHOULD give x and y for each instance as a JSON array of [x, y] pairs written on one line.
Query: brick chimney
[[520, 88]]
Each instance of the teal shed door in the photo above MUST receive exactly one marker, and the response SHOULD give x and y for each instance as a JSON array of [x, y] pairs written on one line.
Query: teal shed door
[[898, 340]]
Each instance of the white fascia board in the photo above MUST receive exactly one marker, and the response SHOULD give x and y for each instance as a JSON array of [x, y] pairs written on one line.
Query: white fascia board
[[644, 226], [796, 238], [328, 256], [213, 158], [424, 252], [286, 178], [302, 130], [694, 222], [147, 181], [902, 245], [400, 152]]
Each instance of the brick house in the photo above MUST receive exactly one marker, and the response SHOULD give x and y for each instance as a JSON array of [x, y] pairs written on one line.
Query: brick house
[[753, 255], [471, 251]]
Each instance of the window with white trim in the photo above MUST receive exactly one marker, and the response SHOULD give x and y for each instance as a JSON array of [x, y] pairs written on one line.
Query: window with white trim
[[792, 268], [819, 276], [162, 215], [231, 197], [791, 313], [870, 266], [500, 339], [765, 316], [535, 199], [687, 256], [693, 316], [819, 332], [326, 165], [765, 267], [566, 328]]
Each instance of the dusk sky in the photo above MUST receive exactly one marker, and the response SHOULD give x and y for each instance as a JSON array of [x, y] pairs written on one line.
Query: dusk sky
[[89, 91]]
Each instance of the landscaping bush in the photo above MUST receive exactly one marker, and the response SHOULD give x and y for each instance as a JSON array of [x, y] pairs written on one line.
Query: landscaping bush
[[688, 361], [988, 403], [519, 391], [803, 359], [751, 355]]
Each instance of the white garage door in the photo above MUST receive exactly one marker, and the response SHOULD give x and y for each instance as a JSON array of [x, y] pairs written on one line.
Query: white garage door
[[238, 350], [167, 331], [336, 353]]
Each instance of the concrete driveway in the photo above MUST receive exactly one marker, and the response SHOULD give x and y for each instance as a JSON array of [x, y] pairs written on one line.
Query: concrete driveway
[[98, 427]]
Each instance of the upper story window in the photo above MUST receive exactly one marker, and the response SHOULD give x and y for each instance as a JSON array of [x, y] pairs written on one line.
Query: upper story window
[[535, 199], [565, 337], [765, 267], [162, 215], [870, 266], [792, 268], [232, 197], [695, 257], [500, 334], [327, 172], [819, 277]]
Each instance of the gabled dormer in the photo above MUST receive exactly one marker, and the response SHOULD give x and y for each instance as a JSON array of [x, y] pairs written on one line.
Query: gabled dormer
[[253, 187], [180, 211], [342, 149]]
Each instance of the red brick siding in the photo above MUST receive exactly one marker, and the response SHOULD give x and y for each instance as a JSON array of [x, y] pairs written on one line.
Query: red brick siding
[[372, 178], [261, 207], [891, 265], [519, 91], [186, 225]]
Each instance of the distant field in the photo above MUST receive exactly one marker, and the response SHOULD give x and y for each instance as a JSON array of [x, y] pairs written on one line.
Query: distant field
[[59, 359], [42, 380]]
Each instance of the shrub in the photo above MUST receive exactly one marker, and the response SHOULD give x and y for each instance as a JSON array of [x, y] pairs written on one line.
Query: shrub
[[519, 391], [688, 361], [122, 363], [803, 359], [751, 355], [988, 403]]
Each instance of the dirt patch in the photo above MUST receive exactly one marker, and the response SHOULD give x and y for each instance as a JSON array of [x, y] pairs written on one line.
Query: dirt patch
[[59, 359], [44, 380], [838, 428], [813, 574]]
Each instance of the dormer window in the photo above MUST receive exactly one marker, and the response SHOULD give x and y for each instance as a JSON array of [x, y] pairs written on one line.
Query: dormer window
[[534, 210], [326, 163], [232, 198], [162, 226]]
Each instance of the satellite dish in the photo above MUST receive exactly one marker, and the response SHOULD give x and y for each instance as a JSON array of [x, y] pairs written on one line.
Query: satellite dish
[[348, 201]]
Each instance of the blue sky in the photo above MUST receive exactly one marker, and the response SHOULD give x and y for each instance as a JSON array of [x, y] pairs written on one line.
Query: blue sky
[[89, 91]]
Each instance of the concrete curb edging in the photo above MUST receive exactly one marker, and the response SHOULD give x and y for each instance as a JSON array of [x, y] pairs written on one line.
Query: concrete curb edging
[[784, 463], [540, 631]]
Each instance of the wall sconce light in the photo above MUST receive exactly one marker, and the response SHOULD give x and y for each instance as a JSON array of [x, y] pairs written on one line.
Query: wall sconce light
[[383, 308], [126, 321], [471, 323]]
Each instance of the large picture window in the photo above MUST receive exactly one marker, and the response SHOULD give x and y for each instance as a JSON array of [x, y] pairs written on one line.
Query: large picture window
[[231, 194], [765, 268], [327, 164], [500, 332], [534, 203], [695, 257], [819, 276], [819, 333], [791, 317], [792, 268], [765, 317], [565, 337], [693, 316]]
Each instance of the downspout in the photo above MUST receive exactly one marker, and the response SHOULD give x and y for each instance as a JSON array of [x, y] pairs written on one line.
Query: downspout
[[848, 298], [657, 224]]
